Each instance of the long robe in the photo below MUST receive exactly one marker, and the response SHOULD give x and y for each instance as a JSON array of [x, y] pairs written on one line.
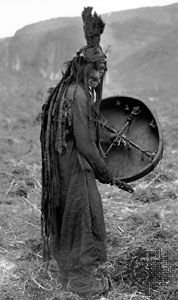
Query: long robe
[[78, 236]]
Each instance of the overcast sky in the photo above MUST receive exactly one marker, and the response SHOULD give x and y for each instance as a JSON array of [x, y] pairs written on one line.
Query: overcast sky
[[15, 14]]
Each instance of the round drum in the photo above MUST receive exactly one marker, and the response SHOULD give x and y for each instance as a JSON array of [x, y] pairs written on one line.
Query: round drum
[[130, 136]]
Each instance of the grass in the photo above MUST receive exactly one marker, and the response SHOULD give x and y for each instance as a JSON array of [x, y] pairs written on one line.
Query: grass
[[146, 220], [139, 225]]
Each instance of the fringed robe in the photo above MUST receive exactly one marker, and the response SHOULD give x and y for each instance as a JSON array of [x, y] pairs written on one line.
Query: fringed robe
[[78, 236]]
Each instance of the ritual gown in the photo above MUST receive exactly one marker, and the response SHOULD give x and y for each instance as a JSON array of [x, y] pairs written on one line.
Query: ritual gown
[[78, 237]]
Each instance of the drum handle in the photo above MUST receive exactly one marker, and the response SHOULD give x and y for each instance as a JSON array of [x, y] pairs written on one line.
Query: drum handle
[[104, 123], [135, 111]]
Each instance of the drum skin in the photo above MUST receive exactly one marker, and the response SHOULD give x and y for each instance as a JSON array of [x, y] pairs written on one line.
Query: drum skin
[[140, 146]]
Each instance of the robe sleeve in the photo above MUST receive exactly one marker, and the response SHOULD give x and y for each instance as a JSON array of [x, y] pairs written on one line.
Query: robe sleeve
[[85, 140]]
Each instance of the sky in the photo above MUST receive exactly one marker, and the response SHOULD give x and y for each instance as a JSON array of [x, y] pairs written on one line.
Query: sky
[[15, 14]]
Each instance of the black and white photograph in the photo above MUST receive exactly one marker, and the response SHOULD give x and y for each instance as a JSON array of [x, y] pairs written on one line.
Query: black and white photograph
[[88, 150]]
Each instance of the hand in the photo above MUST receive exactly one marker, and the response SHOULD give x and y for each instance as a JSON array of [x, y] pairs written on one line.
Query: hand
[[122, 185]]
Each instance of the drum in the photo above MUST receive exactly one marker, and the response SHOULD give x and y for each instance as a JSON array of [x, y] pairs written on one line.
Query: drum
[[130, 136]]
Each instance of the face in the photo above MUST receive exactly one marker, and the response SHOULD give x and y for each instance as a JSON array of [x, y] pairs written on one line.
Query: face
[[96, 74]]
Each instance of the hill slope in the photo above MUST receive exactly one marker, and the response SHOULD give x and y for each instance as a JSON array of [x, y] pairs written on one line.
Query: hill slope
[[141, 47]]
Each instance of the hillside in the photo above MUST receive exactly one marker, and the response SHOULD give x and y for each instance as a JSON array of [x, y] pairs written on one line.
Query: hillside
[[137, 42], [153, 67]]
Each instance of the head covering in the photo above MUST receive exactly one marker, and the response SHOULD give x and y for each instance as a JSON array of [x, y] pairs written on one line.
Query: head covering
[[93, 28]]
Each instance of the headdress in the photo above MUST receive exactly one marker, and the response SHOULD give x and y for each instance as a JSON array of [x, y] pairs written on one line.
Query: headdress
[[93, 28]]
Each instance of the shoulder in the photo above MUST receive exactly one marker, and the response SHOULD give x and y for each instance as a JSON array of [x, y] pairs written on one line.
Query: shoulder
[[76, 93]]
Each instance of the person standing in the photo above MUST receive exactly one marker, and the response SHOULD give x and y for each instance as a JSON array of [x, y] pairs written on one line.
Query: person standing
[[73, 227]]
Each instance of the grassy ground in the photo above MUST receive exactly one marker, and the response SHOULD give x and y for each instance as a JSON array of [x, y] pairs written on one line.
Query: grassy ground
[[142, 228]]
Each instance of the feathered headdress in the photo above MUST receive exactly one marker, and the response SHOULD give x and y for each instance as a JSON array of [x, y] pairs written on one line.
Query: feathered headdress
[[93, 28]]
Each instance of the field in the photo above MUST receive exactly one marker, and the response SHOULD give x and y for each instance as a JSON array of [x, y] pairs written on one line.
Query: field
[[140, 227]]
